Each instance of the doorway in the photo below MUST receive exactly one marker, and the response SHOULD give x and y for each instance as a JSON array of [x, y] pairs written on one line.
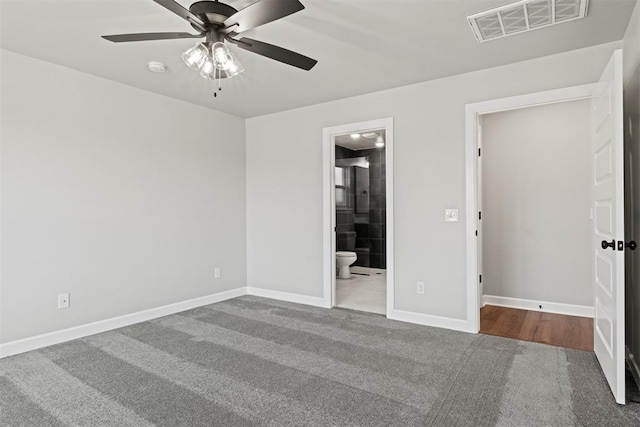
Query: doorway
[[474, 134], [358, 216], [534, 187], [608, 207]]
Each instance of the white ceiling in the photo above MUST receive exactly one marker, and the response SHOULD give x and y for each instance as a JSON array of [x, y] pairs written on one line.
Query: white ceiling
[[365, 141], [361, 45]]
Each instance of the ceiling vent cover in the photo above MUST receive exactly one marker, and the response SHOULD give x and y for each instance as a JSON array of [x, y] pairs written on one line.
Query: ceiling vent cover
[[524, 16]]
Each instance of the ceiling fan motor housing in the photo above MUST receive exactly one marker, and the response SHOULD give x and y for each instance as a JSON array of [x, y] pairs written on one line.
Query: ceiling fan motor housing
[[212, 13]]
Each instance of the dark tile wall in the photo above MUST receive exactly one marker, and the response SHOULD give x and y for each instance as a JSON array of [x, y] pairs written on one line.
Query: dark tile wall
[[345, 216], [370, 232]]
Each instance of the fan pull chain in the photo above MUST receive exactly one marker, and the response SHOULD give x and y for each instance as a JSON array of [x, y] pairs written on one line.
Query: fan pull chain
[[216, 81]]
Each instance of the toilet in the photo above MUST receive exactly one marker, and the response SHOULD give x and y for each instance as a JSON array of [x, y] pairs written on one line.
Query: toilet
[[343, 260]]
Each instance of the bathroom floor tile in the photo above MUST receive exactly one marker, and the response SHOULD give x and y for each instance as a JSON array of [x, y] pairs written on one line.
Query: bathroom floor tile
[[363, 292]]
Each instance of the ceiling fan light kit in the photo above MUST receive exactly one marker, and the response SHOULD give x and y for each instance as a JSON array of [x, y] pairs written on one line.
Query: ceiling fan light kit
[[214, 61], [225, 61], [195, 56], [219, 22]]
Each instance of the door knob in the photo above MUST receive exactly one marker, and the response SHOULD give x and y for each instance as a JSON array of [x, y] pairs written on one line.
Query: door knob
[[611, 244], [632, 245]]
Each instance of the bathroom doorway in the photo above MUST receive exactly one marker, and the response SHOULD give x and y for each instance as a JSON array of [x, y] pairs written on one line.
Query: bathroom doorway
[[359, 218]]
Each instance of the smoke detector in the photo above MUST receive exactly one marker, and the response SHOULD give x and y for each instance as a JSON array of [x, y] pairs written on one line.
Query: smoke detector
[[156, 67], [525, 15]]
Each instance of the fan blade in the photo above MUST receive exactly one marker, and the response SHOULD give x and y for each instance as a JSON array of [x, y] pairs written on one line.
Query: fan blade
[[183, 13], [261, 12], [140, 37], [281, 54]]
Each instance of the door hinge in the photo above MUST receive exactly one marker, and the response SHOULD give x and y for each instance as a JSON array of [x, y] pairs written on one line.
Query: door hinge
[[481, 278], [478, 152], [479, 215], [476, 232]]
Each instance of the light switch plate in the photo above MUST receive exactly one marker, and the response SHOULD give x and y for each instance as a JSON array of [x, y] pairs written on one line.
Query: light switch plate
[[451, 215]]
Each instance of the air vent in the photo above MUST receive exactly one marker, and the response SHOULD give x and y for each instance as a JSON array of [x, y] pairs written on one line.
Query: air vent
[[524, 16]]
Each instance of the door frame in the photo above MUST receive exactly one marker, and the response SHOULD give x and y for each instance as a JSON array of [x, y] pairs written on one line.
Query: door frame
[[329, 208], [473, 113]]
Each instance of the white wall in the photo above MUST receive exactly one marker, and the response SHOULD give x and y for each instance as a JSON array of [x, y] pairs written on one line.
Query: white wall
[[284, 178], [631, 60], [125, 198], [536, 195]]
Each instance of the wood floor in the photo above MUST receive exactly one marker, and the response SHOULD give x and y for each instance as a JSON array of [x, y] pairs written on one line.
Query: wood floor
[[555, 329]]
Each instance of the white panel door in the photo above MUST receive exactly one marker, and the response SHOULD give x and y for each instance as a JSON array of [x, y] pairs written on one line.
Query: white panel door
[[608, 199]]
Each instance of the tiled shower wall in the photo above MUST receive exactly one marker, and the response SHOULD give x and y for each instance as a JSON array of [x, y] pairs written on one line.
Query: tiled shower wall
[[371, 229]]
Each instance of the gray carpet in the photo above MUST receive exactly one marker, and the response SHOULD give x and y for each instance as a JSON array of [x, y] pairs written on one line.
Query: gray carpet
[[255, 361]]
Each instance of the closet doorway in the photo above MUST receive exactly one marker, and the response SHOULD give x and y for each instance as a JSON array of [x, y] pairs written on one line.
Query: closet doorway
[[609, 243], [535, 224]]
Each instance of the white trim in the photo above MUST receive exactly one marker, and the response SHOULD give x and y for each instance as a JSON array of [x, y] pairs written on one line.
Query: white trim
[[57, 337], [471, 140], [390, 221], [328, 205], [547, 307], [288, 297], [554, 96], [479, 229], [328, 220], [430, 320], [633, 365]]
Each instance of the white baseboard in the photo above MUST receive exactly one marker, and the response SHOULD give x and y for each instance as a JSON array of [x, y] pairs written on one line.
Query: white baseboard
[[547, 307], [403, 316], [430, 320], [286, 296], [633, 365], [56, 337]]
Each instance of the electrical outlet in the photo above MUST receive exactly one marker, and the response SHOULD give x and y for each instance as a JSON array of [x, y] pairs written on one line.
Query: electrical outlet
[[420, 288], [63, 300], [217, 273]]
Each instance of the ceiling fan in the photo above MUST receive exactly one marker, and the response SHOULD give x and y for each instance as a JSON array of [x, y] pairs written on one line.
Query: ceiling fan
[[219, 22]]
